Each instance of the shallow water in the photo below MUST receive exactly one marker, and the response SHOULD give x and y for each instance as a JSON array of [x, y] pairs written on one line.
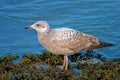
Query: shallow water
[[100, 18]]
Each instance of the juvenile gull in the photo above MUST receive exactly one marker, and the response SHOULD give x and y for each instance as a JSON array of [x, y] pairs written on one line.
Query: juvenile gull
[[65, 41]]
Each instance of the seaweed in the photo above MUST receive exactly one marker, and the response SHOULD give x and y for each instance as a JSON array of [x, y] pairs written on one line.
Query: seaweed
[[92, 66]]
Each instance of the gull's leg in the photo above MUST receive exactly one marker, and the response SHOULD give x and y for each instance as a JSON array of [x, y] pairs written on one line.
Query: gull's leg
[[66, 62], [62, 66]]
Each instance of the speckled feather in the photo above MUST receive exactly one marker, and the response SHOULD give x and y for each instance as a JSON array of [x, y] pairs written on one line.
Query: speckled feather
[[68, 41]]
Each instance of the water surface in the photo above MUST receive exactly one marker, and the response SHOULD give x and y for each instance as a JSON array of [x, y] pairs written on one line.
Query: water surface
[[100, 18]]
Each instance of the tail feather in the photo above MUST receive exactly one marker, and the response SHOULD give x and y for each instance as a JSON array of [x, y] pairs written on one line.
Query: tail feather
[[104, 44]]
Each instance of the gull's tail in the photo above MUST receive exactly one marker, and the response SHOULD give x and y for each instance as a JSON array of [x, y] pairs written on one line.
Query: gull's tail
[[104, 44]]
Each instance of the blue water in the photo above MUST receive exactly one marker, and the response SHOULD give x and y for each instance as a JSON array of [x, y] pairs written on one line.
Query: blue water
[[100, 18]]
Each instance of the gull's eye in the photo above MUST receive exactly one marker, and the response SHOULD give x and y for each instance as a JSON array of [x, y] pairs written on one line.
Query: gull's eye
[[38, 25]]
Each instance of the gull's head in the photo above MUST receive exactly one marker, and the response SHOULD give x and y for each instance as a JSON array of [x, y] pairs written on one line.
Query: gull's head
[[39, 26]]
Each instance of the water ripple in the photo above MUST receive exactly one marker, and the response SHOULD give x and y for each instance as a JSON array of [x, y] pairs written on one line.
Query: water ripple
[[99, 18]]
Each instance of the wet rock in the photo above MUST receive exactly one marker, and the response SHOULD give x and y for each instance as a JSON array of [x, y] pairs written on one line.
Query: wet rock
[[43, 67]]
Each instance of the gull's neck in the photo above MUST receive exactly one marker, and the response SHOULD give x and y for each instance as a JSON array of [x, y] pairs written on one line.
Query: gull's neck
[[43, 35]]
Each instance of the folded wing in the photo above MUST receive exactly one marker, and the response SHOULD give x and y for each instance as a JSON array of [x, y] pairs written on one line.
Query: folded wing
[[73, 40]]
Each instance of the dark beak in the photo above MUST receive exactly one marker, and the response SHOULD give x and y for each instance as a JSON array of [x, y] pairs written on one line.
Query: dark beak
[[28, 27]]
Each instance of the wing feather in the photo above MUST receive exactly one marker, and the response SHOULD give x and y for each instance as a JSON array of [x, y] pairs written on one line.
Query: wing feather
[[73, 40]]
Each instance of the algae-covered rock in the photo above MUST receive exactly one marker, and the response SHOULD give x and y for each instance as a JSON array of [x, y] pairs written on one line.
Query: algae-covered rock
[[43, 67]]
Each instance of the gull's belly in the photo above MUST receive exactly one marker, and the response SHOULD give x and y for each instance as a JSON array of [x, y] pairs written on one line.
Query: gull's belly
[[58, 50], [55, 49]]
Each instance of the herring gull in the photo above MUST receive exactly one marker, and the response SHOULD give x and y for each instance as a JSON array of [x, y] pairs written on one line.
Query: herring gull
[[65, 41]]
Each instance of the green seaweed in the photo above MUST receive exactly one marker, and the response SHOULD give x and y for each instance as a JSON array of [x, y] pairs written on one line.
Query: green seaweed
[[43, 67]]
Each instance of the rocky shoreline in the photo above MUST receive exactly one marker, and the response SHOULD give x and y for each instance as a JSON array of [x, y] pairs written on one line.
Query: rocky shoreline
[[88, 66]]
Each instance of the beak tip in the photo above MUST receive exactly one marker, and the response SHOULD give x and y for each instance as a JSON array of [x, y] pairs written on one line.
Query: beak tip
[[27, 27]]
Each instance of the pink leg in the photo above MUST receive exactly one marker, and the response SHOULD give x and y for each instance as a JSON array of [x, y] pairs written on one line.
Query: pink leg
[[66, 62]]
